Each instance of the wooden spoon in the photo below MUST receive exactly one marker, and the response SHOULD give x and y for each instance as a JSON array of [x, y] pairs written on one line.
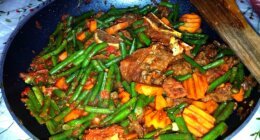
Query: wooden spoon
[[225, 17]]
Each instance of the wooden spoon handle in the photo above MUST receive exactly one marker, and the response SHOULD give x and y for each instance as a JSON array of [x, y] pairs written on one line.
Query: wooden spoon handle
[[227, 20]]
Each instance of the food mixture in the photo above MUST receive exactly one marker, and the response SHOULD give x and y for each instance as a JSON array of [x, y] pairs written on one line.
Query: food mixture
[[134, 73]]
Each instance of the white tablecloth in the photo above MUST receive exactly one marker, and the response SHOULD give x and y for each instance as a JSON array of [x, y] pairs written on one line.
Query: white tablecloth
[[13, 11]]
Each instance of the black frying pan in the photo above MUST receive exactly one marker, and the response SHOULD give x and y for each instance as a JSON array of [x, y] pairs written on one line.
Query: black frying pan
[[27, 41]]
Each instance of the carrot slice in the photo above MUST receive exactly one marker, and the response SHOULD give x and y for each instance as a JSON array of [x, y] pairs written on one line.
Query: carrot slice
[[239, 96], [74, 114], [61, 83], [160, 102], [115, 28], [92, 25], [81, 36], [63, 56]]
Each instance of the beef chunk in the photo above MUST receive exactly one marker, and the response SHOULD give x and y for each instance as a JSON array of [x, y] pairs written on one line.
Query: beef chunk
[[174, 89], [146, 65], [180, 67]]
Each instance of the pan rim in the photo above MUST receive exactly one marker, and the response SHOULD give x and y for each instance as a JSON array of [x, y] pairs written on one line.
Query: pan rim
[[16, 119]]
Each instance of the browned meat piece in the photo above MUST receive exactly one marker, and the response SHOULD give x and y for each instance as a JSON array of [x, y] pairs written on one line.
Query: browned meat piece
[[231, 61], [107, 133], [180, 67], [158, 36], [213, 74], [137, 128], [102, 36], [174, 89], [146, 65], [221, 94], [202, 58], [130, 18], [163, 11]]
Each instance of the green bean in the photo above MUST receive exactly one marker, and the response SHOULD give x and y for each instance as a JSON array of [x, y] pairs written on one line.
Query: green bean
[[38, 94], [214, 64], [59, 93], [181, 124], [81, 129], [193, 63], [93, 52], [72, 76], [172, 112], [81, 97], [83, 17], [227, 111], [132, 89], [175, 12], [125, 123], [118, 74], [239, 76], [174, 136], [139, 30], [138, 22], [81, 85], [219, 81], [168, 72], [33, 110], [195, 41], [45, 107], [248, 92], [144, 38], [52, 113], [74, 39], [75, 83], [141, 102], [233, 74], [146, 9], [216, 131], [55, 107], [123, 107], [58, 29], [220, 109], [113, 61], [157, 132], [133, 47], [194, 35], [166, 4], [54, 60], [50, 124], [59, 39], [66, 62], [101, 24], [96, 89], [80, 44], [111, 104], [98, 110], [69, 21], [67, 72], [126, 86], [120, 116], [224, 52], [183, 77], [77, 122], [123, 48], [62, 114], [34, 101], [196, 50], [85, 54], [61, 136], [96, 65], [109, 81], [56, 51], [177, 24]]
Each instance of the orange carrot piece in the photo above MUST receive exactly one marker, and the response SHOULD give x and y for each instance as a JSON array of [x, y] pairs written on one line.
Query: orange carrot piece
[[81, 36], [191, 21], [131, 136], [61, 83], [160, 102], [165, 21], [92, 25], [74, 114], [124, 96], [211, 106], [115, 28], [200, 105], [198, 86], [63, 56], [239, 96]]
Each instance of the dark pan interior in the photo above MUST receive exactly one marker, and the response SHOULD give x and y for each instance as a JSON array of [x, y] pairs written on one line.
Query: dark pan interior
[[29, 41]]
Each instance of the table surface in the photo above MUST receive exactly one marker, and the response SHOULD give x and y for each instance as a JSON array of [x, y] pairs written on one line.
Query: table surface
[[13, 11]]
